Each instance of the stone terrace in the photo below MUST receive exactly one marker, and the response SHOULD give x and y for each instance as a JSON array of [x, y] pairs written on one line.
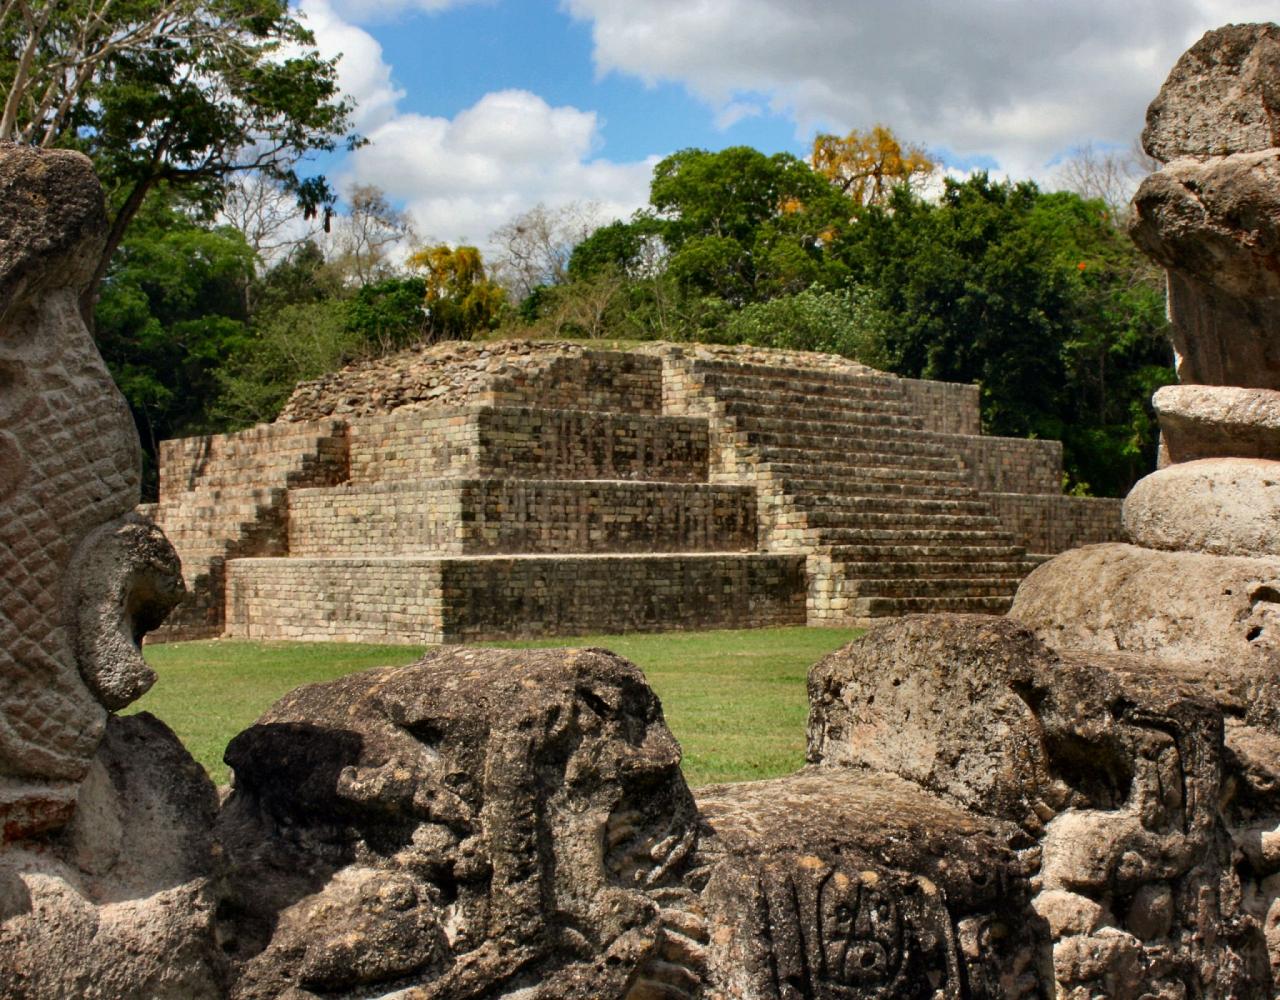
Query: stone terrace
[[492, 491]]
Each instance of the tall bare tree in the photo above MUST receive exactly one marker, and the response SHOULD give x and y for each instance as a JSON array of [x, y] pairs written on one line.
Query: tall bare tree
[[534, 248], [365, 235]]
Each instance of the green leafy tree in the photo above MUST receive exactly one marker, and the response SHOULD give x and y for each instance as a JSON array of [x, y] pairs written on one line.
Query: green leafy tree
[[388, 315], [1026, 294], [171, 316]]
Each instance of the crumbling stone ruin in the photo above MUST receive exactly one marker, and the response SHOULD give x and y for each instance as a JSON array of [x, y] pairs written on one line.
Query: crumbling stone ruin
[[486, 491], [1076, 800]]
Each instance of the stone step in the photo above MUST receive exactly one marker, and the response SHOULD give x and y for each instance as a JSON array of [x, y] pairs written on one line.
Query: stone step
[[839, 507], [851, 459], [840, 477], [798, 444], [851, 489], [935, 586], [941, 567], [799, 395], [873, 552], [832, 527], [915, 536], [817, 419], [885, 607], [742, 372], [478, 516], [481, 598]]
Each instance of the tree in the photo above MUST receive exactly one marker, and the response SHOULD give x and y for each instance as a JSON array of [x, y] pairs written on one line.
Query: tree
[[267, 215], [459, 298], [180, 93], [363, 237], [172, 316], [742, 226], [1029, 295], [1110, 176], [867, 166], [535, 247]]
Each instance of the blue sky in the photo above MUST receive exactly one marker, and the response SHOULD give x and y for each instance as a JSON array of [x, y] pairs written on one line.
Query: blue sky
[[479, 109]]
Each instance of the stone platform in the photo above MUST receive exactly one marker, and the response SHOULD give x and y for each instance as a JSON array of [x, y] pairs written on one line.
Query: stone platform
[[523, 489]]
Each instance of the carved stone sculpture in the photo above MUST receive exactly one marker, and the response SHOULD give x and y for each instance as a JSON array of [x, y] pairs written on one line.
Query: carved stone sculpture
[[79, 573], [106, 822]]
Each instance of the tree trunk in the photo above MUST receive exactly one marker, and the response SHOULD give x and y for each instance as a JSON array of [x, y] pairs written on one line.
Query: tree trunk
[[119, 226]]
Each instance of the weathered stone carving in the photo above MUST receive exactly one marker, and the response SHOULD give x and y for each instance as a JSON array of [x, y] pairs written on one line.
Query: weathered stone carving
[[500, 821], [1193, 608], [69, 457], [106, 822], [1211, 217]]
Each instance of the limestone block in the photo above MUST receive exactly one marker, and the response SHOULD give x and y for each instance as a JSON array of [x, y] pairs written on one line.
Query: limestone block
[[1113, 766], [1215, 421], [1216, 612], [71, 468], [1220, 97], [121, 907], [1222, 506], [845, 883]]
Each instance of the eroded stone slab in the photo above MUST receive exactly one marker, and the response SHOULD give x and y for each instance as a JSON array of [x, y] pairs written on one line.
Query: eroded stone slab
[[1218, 421], [1113, 768], [1220, 506], [1215, 227], [1184, 607]]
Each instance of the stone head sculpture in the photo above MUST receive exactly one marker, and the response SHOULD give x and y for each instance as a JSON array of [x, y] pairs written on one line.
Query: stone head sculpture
[[529, 805], [80, 580]]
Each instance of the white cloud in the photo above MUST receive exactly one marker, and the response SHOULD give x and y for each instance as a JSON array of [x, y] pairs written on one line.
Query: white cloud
[[1021, 82], [362, 72], [462, 178]]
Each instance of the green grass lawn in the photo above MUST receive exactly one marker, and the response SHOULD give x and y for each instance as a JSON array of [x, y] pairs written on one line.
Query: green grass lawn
[[735, 700]]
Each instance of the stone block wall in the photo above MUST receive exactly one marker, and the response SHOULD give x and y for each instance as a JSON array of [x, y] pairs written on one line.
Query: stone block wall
[[526, 442], [423, 600], [1011, 465], [944, 407], [488, 516], [498, 597], [305, 454], [592, 474], [607, 381], [337, 600], [1045, 524]]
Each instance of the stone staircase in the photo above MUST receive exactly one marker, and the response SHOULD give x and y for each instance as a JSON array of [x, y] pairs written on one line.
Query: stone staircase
[[884, 509], [225, 497]]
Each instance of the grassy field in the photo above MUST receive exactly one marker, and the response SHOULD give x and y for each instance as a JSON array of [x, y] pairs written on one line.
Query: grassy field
[[735, 700]]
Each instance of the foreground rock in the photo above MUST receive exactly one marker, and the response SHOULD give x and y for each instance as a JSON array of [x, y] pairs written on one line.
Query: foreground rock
[[1111, 768], [1211, 216], [1183, 607], [484, 821]]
